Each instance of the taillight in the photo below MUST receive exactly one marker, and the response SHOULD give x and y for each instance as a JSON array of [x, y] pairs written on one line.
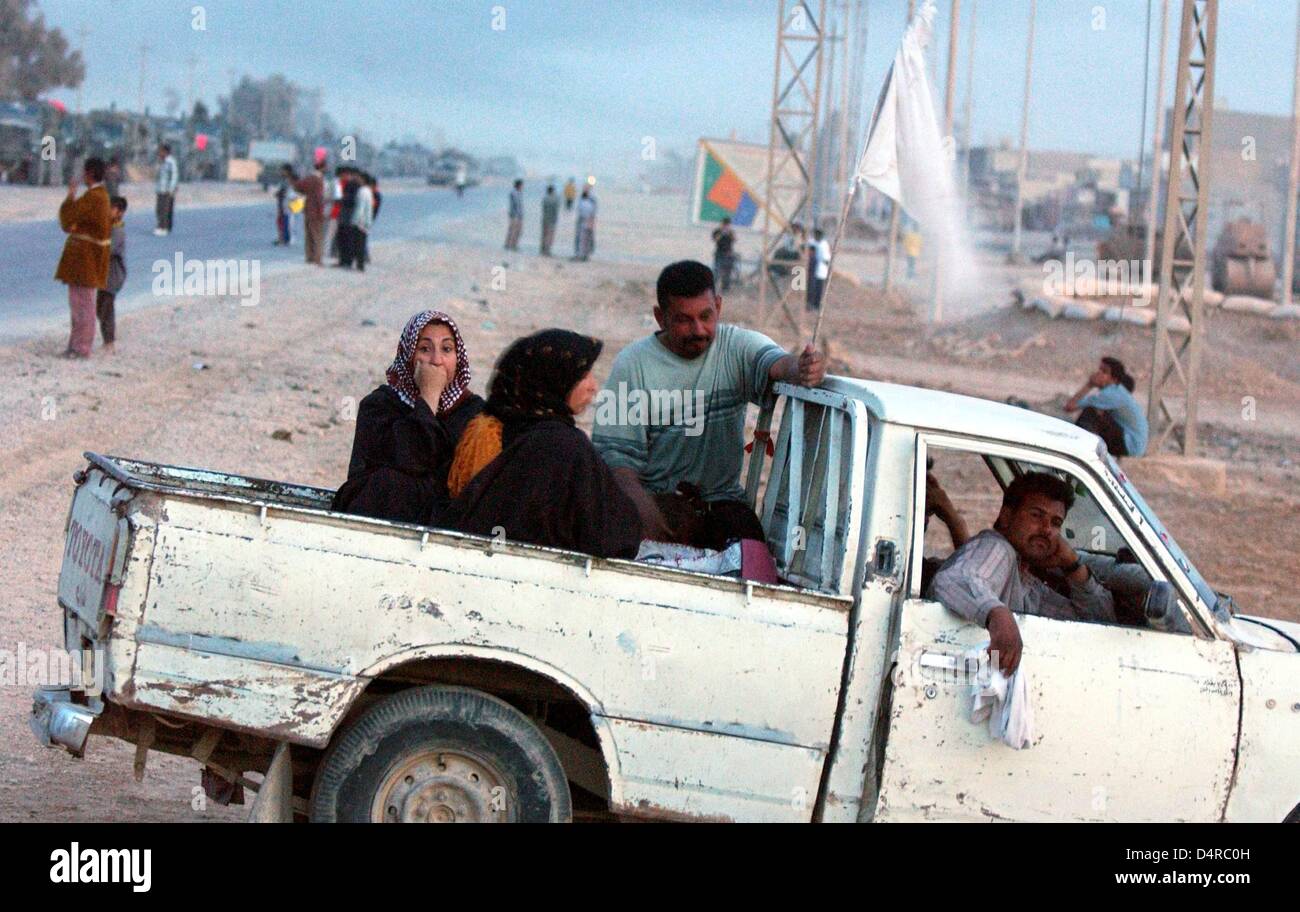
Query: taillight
[[108, 603]]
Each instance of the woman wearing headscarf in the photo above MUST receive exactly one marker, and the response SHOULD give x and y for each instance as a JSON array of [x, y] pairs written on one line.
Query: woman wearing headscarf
[[408, 428], [548, 486]]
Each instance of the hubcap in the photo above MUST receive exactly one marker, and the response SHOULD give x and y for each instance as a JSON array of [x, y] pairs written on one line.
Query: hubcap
[[442, 786]]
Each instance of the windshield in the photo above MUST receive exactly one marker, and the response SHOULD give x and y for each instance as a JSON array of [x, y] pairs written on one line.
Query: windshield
[[1202, 587]]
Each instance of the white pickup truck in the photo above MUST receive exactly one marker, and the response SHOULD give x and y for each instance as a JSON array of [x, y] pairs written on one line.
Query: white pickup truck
[[368, 670]]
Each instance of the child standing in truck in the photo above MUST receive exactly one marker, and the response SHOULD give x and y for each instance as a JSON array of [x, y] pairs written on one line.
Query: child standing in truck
[[106, 296]]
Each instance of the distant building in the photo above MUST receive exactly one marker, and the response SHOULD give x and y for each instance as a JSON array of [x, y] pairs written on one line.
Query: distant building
[[502, 166], [1075, 191], [1248, 163]]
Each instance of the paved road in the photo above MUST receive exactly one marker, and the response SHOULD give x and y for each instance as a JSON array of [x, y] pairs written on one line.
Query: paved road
[[32, 302]]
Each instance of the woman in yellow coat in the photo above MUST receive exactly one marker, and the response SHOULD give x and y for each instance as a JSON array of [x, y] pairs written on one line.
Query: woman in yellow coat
[[88, 222]]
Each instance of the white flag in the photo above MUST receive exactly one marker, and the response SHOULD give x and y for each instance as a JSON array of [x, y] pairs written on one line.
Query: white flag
[[905, 157]]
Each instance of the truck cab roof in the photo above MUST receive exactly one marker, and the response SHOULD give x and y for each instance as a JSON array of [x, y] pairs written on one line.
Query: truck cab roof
[[949, 412]]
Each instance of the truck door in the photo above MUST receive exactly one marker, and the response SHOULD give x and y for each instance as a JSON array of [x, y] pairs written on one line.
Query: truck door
[[1130, 723]]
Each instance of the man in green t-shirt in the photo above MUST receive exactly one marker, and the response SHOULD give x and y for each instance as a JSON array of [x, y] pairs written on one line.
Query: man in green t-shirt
[[673, 408]]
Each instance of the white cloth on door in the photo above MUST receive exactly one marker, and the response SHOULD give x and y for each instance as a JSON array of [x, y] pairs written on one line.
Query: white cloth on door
[[1004, 703]]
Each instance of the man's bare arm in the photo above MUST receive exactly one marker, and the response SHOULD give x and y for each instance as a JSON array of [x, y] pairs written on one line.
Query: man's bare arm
[[653, 526], [808, 368], [1073, 404]]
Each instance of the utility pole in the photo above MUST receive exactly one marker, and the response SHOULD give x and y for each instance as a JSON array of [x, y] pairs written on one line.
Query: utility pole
[[1022, 165], [843, 160], [191, 63], [1176, 360], [970, 93], [949, 98], [144, 72], [792, 137], [855, 87], [1293, 176], [828, 168], [1157, 135], [893, 204], [82, 32]]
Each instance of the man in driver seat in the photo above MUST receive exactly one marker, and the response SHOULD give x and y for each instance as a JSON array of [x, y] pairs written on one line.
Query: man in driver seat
[[991, 578]]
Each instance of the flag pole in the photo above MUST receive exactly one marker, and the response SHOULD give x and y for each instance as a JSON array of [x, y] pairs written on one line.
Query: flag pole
[[850, 192], [830, 264]]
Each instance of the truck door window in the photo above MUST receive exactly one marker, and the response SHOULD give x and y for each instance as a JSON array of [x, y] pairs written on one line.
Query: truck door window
[[975, 484], [805, 508]]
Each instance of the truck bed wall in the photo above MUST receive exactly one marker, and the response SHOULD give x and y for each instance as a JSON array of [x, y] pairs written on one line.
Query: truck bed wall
[[710, 698]]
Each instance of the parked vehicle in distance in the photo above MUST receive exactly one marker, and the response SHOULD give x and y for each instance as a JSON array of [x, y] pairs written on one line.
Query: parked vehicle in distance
[[453, 171]]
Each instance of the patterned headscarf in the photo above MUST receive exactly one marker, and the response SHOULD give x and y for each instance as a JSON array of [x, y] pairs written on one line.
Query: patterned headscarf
[[534, 377], [402, 379]]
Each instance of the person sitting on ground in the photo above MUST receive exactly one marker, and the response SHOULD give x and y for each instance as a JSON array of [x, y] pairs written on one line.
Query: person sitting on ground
[[991, 577], [1111, 412], [408, 428], [692, 380], [548, 486]]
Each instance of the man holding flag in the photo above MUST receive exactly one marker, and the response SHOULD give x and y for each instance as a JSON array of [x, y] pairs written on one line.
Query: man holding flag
[[705, 372]]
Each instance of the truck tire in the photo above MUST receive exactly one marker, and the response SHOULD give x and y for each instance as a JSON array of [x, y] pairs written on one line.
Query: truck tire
[[441, 755]]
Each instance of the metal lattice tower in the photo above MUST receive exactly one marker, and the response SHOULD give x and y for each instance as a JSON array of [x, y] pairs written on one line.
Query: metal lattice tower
[[1177, 357], [792, 139]]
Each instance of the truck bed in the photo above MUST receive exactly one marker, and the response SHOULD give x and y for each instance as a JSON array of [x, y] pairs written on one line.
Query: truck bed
[[247, 604]]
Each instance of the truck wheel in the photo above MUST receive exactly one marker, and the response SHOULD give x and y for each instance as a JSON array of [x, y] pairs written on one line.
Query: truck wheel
[[441, 755]]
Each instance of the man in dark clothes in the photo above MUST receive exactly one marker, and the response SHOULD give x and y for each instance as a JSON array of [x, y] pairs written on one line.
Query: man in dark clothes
[[548, 486], [347, 232], [407, 429], [724, 253]]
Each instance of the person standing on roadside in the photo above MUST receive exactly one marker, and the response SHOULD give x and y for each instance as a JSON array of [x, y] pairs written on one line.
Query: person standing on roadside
[[334, 196], [819, 268], [106, 296], [348, 182], [550, 216], [515, 226], [283, 217], [724, 253], [570, 194], [363, 217], [584, 237], [113, 176], [83, 267], [169, 177], [312, 187]]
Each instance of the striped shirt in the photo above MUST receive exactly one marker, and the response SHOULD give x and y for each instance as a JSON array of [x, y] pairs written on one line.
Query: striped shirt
[[986, 573], [675, 419]]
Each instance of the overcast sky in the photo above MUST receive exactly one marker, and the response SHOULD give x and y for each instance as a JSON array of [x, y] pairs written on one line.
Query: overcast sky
[[574, 85]]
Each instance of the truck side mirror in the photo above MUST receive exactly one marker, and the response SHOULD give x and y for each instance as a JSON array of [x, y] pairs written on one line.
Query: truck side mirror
[[1161, 606]]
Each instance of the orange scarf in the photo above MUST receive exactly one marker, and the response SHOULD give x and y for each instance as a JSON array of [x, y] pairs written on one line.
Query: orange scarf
[[479, 444]]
